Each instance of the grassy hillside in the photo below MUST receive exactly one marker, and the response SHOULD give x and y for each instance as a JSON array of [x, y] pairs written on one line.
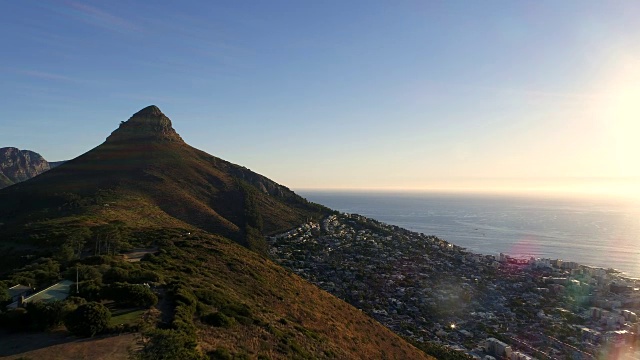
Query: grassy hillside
[[281, 316], [221, 300], [145, 187], [144, 174]]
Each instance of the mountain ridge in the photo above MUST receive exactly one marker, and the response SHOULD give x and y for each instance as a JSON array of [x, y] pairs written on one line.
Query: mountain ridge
[[19, 165], [146, 158]]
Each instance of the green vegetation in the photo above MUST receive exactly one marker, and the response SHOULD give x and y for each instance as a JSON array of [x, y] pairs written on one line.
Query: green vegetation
[[129, 317], [40, 273], [4, 293], [167, 344], [75, 220], [45, 315], [130, 295], [218, 319], [180, 341], [38, 316], [88, 320], [214, 297], [79, 207]]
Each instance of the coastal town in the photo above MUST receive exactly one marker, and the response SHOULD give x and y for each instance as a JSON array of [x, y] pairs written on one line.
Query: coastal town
[[482, 306]]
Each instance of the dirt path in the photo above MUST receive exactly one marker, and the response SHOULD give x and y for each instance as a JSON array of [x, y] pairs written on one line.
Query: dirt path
[[165, 307], [58, 346], [136, 254]]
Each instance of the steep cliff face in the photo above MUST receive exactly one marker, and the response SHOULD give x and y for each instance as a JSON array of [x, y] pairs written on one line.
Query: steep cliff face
[[19, 165]]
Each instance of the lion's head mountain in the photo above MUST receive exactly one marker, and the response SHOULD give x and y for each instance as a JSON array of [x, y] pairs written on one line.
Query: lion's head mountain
[[205, 220], [145, 175]]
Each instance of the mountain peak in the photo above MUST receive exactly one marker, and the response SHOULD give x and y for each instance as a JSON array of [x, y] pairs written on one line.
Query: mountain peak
[[19, 165], [150, 110], [147, 124]]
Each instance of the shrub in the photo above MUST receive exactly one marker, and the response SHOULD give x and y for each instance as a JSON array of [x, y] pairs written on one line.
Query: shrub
[[4, 293], [88, 319], [15, 320], [142, 276], [185, 307], [212, 297], [220, 354], [89, 290], [84, 273], [131, 294], [44, 315], [218, 319], [96, 260], [75, 301], [240, 312], [167, 344], [184, 295], [115, 274]]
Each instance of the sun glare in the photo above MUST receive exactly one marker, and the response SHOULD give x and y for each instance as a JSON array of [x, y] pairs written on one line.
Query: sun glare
[[621, 112]]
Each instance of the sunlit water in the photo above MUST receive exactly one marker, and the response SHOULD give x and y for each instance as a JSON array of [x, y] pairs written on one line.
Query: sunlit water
[[593, 231]]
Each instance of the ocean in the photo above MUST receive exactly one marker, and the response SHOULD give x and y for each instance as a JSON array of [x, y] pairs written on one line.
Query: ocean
[[596, 231]]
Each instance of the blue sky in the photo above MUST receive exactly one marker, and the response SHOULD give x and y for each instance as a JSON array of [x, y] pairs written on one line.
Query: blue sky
[[337, 94]]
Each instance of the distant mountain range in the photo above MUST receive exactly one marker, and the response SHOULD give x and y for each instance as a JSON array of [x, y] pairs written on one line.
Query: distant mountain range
[[19, 165], [156, 190]]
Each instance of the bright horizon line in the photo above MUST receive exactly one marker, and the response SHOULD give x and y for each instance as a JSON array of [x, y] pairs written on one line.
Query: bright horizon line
[[616, 187]]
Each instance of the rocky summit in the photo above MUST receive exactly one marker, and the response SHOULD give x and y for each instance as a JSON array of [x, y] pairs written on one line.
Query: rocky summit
[[147, 124], [19, 165]]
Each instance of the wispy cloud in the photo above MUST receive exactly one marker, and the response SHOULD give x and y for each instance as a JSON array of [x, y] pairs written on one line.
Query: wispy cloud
[[552, 94], [46, 75], [140, 97], [100, 18], [532, 92]]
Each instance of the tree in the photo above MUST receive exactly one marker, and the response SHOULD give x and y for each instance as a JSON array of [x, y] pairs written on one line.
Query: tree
[[131, 294], [65, 254], [108, 238], [167, 344], [15, 320], [88, 320], [4, 293], [115, 274], [77, 238], [44, 315], [89, 290]]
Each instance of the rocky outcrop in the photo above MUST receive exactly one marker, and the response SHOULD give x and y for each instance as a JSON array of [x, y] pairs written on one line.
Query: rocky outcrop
[[19, 165], [147, 124]]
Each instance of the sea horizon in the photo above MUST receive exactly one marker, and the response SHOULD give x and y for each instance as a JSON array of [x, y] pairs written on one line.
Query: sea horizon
[[596, 230]]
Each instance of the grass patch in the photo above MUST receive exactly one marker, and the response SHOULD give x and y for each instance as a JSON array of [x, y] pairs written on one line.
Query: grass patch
[[126, 316]]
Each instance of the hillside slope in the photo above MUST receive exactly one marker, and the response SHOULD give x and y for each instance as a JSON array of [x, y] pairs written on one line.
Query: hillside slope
[[286, 317], [146, 187], [144, 174]]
